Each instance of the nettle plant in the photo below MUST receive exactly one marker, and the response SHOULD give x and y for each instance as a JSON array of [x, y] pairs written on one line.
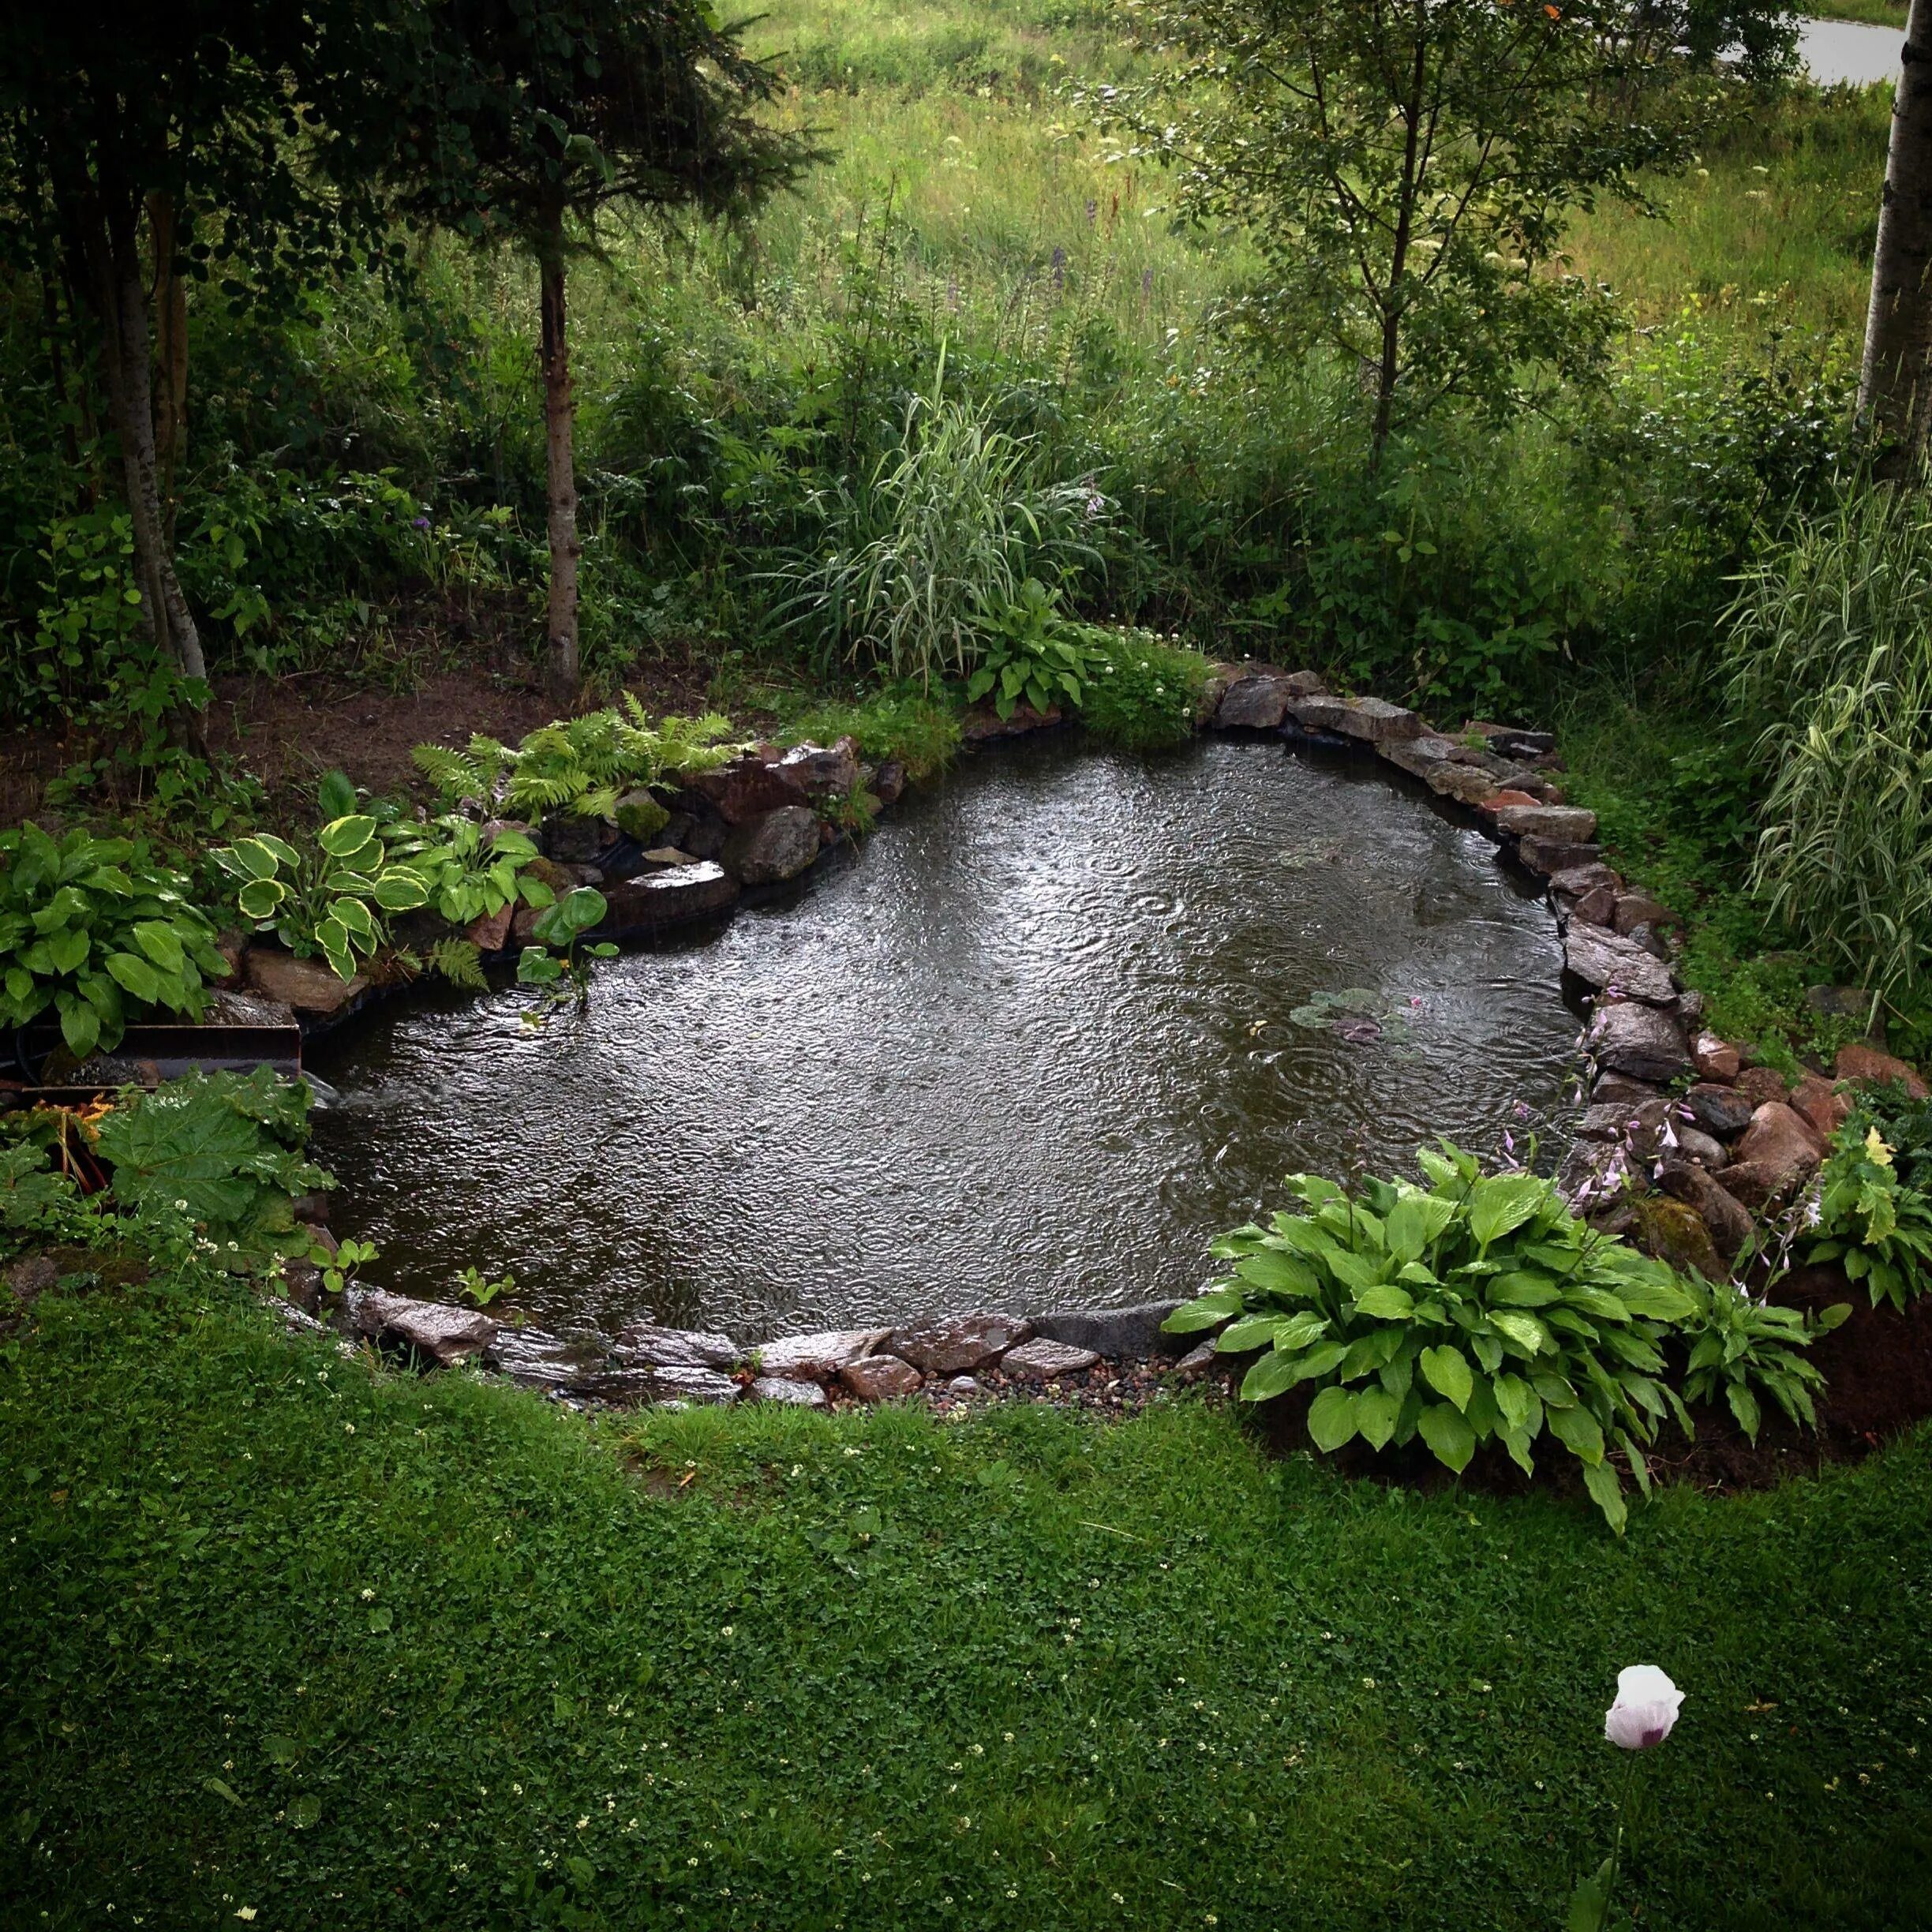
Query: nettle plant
[[95, 931], [1477, 1309]]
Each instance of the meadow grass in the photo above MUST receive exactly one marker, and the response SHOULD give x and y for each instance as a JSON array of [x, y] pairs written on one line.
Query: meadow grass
[[292, 1640]]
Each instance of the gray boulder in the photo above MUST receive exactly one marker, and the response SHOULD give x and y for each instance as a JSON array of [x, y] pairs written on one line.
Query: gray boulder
[[1604, 961], [779, 846], [1120, 1335], [1644, 1042]]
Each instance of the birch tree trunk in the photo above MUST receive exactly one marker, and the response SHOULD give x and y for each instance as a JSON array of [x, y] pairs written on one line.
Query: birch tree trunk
[[561, 670], [1892, 400]]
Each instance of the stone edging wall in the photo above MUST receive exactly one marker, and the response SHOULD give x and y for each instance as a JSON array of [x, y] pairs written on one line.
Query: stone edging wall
[[769, 816]]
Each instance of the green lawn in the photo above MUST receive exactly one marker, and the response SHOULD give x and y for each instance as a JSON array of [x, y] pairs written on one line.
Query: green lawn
[[285, 1638]]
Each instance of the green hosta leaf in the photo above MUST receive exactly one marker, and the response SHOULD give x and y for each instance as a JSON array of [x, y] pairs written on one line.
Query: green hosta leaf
[[336, 796], [1331, 1419], [260, 899], [1385, 1302], [1656, 1299], [1449, 1438], [1522, 1288], [1517, 1404], [1251, 1331], [1448, 1372], [1577, 1430], [1744, 1406], [1375, 1349], [1607, 1493], [400, 890], [1376, 1411], [279, 849], [353, 918], [255, 857], [1322, 1357], [161, 943], [1503, 1202], [1300, 1330], [1414, 1222], [1600, 1302], [80, 1026], [136, 974], [344, 838], [1204, 1312], [1524, 1331], [1270, 1376], [1279, 1273], [69, 951], [1355, 1271], [1517, 1442]]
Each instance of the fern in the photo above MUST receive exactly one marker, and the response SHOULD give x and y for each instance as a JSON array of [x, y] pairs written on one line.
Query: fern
[[458, 961], [454, 776]]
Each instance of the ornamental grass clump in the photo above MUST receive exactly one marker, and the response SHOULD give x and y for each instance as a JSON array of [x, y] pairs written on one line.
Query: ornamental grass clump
[[1832, 669], [1477, 1309]]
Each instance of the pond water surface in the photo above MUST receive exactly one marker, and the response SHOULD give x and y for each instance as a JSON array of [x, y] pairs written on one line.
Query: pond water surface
[[1033, 1046]]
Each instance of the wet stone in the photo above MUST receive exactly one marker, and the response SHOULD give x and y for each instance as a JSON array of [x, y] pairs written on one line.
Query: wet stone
[[1604, 962], [1040, 1361], [1552, 856], [1866, 1065], [309, 986], [645, 1343], [437, 1330], [783, 1390], [1253, 704], [672, 897], [776, 847], [961, 1345], [1716, 1059], [1718, 1109], [1568, 825], [819, 1358], [879, 1378], [1122, 1334], [1643, 1042]]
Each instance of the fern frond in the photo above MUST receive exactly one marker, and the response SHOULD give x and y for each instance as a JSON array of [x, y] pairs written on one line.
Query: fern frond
[[454, 776], [458, 961]]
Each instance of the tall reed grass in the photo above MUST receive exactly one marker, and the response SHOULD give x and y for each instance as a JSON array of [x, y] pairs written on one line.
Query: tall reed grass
[[1830, 652]]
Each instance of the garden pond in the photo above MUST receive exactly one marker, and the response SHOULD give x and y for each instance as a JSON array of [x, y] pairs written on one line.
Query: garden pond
[[1064, 1017]]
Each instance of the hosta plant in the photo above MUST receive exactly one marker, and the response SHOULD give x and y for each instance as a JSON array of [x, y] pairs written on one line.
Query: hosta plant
[[1475, 1309], [94, 931], [331, 895], [1862, 1216], [1749, 1351], [1031, 653], [471, 873]]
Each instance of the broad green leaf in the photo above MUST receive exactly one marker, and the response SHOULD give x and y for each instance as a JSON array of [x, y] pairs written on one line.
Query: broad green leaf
[[1354, 1272], [1279, 1273], [354, 917], [1331, 1419], [1448, 1435], [69, 951], [1270, 1376], [1590, 1904], [1251, 1331], [336, 796], [1515, 1401], [161, 943], [1503, 1202], [279, 849], [136, 974], [1577, 1430], [1524, 1331], [1385, 1302], [1744, 1406], [1522, 1288], [1375, 1349], [343, 838], [255, 856], [1446, 1371], [80, 1025], [1204, 1312], [1607, 1493], [1375, 1410], [259, 898], [304, 1812], [400, 890]]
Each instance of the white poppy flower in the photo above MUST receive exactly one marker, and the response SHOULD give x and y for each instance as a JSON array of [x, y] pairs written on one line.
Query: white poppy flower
[[1645, 1709]]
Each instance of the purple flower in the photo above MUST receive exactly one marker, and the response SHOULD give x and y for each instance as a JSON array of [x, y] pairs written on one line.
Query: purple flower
[[1059, 268], [422, 522]]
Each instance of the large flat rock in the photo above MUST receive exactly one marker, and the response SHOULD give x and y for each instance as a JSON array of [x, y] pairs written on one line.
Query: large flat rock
[[1121, 1334], [1606, 962], [308, 985], [961, 1345], [819, 1358], [675, 897], [438, 1330], [1645, 1042]]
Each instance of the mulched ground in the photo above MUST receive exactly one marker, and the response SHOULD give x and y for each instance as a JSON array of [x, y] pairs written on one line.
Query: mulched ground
[[289, 730]]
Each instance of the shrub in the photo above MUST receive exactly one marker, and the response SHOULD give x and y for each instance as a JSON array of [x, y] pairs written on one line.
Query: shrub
[[1862, 1213], [1479, 1309], [1831, 663], [96, 929], [921, 730], [1145, 693]]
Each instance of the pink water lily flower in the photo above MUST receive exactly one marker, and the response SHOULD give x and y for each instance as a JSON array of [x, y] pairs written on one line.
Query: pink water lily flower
[[1645, 1709]]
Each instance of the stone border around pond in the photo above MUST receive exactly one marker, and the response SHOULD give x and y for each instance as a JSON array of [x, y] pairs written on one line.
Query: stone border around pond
[[1646, 1164]]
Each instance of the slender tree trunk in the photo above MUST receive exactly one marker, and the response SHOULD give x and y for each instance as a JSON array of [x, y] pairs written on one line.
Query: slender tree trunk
[[1389, 372], [1892, 400], [170, 305], [125, 360], [562, 669]]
